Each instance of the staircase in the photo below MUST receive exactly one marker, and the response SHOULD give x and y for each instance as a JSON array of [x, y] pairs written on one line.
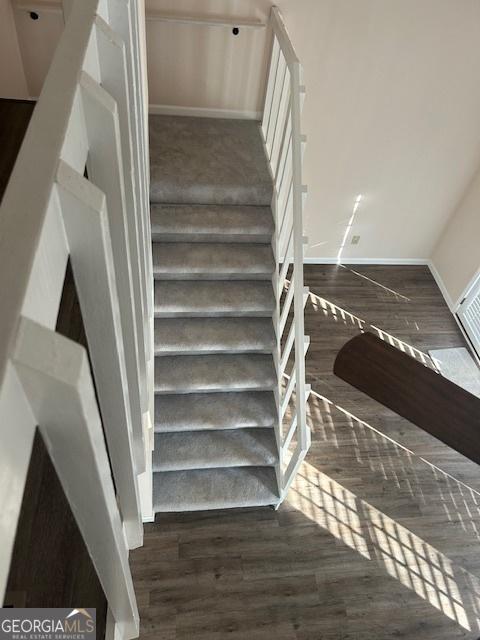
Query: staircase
[[229, 430], [212, 229]]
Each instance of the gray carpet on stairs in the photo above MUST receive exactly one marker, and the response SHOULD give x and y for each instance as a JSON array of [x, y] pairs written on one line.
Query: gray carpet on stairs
[[204, 411], [213, 335], [195, 223], [207, 161], [203, 489], [205, 298], [212, 226], [214, 449], [193, 374], [212, 261]]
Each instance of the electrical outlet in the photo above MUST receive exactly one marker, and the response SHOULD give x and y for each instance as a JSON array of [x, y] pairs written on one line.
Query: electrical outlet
[[355, 239]]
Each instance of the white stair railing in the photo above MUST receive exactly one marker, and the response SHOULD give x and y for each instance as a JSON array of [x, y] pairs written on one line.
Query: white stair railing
[[281, 128], [90, 120]]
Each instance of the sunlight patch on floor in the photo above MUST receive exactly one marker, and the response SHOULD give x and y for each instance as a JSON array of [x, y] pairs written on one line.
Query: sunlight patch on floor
[[339, 314], [403, 555], [423, 357], [376, 283], [395, 462], [330, 505], [336, 312], [416, 564]]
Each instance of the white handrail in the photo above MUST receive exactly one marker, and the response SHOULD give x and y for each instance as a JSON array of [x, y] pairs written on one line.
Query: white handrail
[[153, 16], [281, 128], [90, 115]]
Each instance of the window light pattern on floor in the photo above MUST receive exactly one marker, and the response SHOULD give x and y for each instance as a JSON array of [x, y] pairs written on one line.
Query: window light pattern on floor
[[338, 314], [417, 565], [396, 463], [388, 290], [406, 557]]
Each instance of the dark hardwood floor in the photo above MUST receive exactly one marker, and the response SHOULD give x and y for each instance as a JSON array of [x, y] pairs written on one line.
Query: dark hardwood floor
[[380, 535], [51, 566], [14, 118]]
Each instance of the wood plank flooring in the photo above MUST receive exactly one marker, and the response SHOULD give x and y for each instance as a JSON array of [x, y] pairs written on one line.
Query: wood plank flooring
[[51, 565], [380, 535]]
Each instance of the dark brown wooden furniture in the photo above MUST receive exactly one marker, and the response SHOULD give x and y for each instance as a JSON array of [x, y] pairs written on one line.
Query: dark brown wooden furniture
[[415, 392]]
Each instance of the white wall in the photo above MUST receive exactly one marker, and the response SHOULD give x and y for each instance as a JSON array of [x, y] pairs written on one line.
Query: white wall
[[38, 40], [456, 258], [392, 109], [207, 66], [13, 83], [393, 113]]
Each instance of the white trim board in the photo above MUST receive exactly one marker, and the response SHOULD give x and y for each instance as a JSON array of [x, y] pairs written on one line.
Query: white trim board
[[392, 261], [468, 342], [154, 16], [372, 261], [454, 306], [202, 112], [151, 16], [442, 287], [147, 519]]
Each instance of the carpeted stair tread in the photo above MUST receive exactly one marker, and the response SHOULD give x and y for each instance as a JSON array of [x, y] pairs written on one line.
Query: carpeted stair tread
[[207, 161], [214, 449], [193, 260], [213, 335], [214, 411], [215, 378], [190, 374], [209, 298], [211, 223], [203, 489]]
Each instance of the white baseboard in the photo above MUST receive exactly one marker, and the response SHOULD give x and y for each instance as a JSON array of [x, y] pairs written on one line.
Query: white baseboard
[[372, 261], [149, 518], [441, 286], [392, 261], [201, 112], [454, 306]]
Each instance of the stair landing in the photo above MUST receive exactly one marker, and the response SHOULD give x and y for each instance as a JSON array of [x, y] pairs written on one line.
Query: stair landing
[[208, 161]]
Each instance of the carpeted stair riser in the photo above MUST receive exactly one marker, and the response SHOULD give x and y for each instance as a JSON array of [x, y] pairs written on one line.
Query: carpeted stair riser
[[208, 373], [183, 298], [214, 449], [212, 261], [204, 223], [203, 489], [214, 411], [181, 336]]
